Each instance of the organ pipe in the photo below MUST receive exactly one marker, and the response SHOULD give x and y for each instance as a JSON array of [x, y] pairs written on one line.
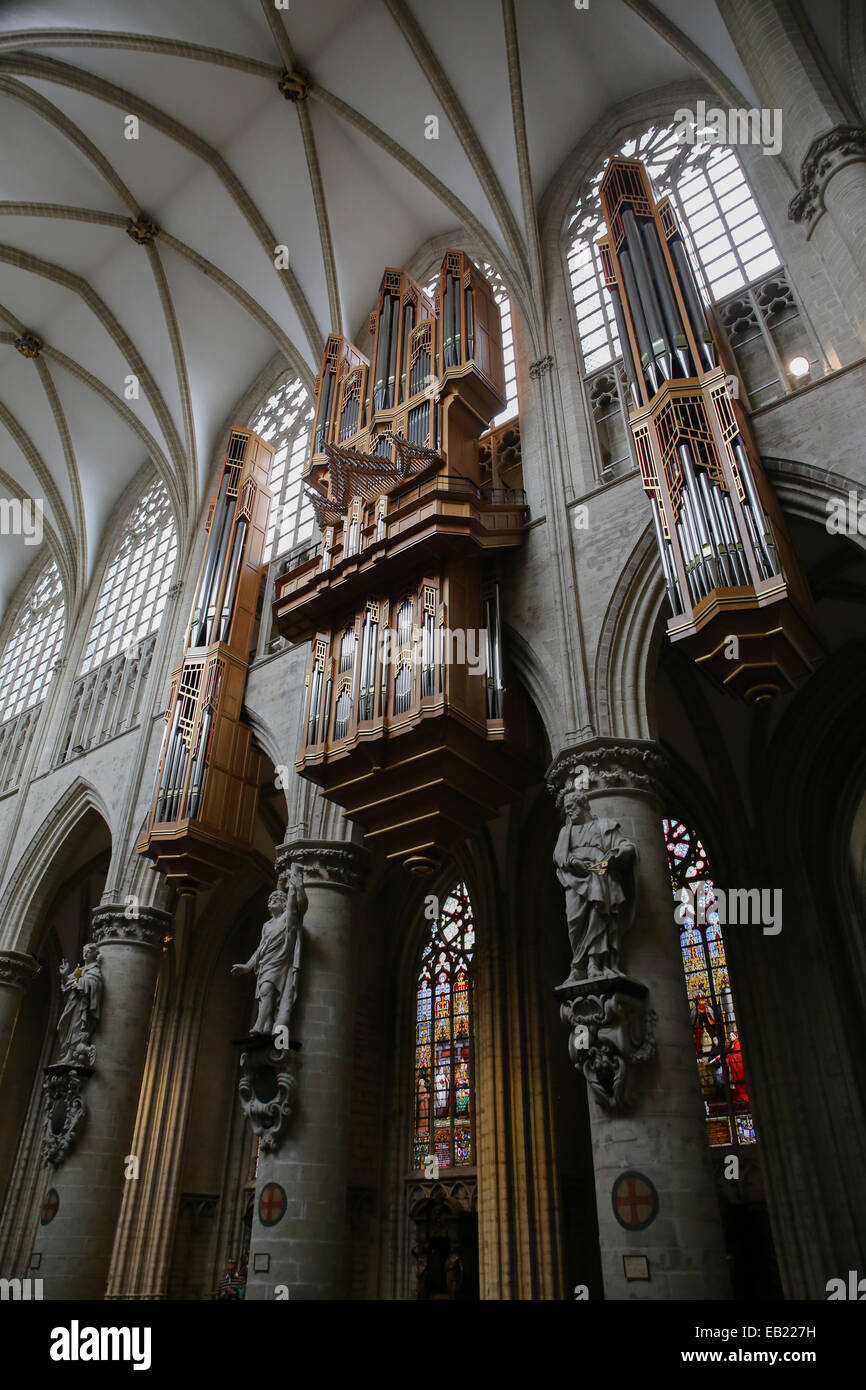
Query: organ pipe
[[711, 505]]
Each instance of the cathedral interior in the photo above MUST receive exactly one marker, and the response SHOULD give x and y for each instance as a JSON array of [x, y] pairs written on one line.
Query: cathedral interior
[[432, 778]]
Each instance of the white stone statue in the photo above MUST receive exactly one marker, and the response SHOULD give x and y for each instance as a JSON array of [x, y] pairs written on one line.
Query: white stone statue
[[595, 865], [276, 960], [82, 1005]]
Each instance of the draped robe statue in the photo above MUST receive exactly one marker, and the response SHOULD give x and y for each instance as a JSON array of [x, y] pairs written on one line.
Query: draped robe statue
[[82, 1004], [595, 865], [276, 960]]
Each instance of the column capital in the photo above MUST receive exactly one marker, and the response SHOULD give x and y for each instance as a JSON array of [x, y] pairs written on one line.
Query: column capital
[[607, 764], [114, 925], [827, 154], [17, 969], [327, 863]]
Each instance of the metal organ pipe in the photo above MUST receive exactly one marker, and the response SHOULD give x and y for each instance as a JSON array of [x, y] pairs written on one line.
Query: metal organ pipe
[[495, 686], [766, 544], [693, 543], [232, 581], [173, 778], [196, 781], [178, 778], [209, 616], [323, 431], [734, 535], [451, 321], [694, 497], [315, 698], [644, 340], [693, 302], [470, 322], [723, 565], [386, 354], [661, 348], [408, 325], [670, 311], [222, 512], [625, 341], [671, 584], [171, 734]]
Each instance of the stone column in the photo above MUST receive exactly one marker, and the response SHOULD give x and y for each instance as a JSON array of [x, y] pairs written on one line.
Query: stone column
[[17, 971], [76, 1243], [301, 1186], [823, 142], [657, 1143]]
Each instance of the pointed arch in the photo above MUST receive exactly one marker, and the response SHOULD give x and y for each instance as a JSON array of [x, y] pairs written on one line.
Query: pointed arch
[[39, 868]]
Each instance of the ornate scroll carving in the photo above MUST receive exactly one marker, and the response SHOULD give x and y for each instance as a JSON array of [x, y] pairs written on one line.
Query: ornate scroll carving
[[612, 1030], [64, 1109], [267, 1091], [827, 154]]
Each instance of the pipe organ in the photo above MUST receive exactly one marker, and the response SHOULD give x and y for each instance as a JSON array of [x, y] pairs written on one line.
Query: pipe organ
[[729, 568], [409, 722], [207, 783]]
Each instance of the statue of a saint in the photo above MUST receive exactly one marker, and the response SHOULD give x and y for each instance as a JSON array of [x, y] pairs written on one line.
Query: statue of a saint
[[277, 957], [595, 865], [82, 1004]]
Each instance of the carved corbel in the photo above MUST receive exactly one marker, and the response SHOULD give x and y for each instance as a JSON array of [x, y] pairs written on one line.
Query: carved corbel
[[612, 1031], [267, 1090]]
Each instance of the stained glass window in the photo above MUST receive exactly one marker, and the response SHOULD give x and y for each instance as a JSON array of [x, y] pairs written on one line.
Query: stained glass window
[[443, 1078], [708, 986]]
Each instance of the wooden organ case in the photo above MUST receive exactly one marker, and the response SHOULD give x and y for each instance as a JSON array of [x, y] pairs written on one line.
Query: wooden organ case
[[408, 722], [207, 785], [730, 570]]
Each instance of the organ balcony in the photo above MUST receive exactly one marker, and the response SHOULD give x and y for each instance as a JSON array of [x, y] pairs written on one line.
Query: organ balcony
[[740, 603], [409, 722], [427, 518], [203, 815]]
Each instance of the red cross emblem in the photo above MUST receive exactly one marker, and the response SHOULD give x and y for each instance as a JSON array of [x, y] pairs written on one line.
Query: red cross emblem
[[49, 1206], [635, 1201], [272, 1204]]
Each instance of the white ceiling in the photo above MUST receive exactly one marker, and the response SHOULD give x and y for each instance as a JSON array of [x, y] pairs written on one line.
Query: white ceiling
[[222, 166]]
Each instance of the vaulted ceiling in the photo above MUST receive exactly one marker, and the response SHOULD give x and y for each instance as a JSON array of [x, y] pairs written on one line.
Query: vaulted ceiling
[[229, 168]]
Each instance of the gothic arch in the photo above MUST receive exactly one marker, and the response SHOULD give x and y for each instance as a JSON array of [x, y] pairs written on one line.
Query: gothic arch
[[36, 875], [632, 631]]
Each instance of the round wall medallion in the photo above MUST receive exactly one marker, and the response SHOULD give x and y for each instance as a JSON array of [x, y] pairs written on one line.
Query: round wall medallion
[[50, 1206], [272, 1204], [635, 1201]]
